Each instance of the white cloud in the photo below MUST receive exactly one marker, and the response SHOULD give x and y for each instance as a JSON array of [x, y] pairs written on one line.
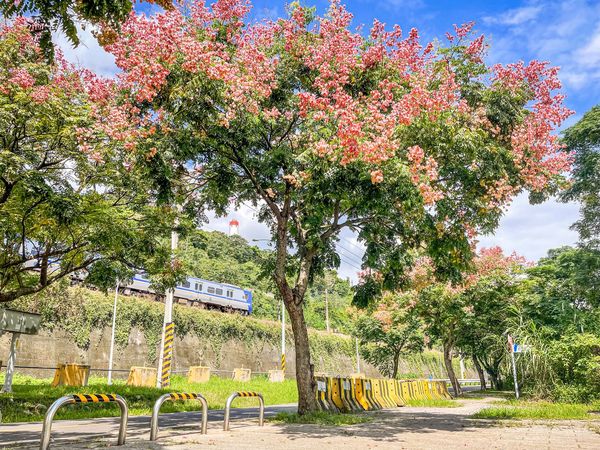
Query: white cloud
[[566, 33], [590, 52], [88, 54], [532, 230], [515, 16]]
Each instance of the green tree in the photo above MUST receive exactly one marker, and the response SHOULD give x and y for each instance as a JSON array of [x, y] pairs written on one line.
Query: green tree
[[490, 310], [388, 333], [583, 141], [62, 209], [563, 290]]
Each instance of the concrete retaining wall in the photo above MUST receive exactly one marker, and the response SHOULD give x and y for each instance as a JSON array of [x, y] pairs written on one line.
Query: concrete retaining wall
[[49, 349]]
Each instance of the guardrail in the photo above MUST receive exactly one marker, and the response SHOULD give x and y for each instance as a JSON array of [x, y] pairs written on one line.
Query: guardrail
[[84, 398], [261, 409], [177, 396]]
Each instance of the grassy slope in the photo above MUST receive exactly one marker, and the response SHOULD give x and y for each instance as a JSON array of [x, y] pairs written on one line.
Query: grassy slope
[[32, 396]]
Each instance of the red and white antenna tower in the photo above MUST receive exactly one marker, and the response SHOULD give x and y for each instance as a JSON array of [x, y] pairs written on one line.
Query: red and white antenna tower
[[234, 227]]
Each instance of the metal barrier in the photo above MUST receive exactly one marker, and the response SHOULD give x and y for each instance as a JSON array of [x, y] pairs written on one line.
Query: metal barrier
[[261, 409], [84, 398], [177, 396]]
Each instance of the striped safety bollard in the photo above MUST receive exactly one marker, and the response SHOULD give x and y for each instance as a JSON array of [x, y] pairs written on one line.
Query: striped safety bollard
[[84, 398], [261, 408], [283, 362], [165, 378], [174, 396]]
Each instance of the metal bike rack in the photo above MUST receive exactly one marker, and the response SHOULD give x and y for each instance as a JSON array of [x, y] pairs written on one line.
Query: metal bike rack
[[84, 398], [261, 409], [177, 396]]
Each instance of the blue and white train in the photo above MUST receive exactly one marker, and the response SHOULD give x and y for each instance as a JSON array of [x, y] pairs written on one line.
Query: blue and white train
[[201, 293], [193, 291]]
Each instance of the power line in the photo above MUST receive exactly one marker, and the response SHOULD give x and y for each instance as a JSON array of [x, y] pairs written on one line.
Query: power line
[[354, 260], [359, 257]]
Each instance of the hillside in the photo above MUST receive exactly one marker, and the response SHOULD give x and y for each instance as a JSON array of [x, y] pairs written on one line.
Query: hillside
[[76, 321], [231, 259]]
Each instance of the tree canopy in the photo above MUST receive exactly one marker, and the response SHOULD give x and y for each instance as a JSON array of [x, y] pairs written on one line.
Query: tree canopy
[[413, 146], [65, 204], [583, 142]]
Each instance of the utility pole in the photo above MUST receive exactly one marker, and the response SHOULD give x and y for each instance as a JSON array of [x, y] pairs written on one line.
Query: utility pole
[[283, 337], [112, 336], [462, 367], [10, 365], [357, 358], [514, 365], [163, 377], [326, 310]]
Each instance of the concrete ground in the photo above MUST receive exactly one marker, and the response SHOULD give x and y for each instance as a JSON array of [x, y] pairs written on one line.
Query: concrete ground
[[401, 428]]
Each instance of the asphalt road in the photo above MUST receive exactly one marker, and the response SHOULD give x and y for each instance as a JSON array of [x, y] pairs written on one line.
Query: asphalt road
[[138, 427]]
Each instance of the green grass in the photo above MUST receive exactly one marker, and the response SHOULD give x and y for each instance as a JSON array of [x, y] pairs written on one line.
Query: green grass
[[322, 418], [434, 403], [476, 395], [32, 396], [532, 410]]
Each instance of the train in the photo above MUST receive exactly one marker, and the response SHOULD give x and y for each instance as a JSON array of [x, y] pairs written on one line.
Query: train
[[201, 293], [193, 291]]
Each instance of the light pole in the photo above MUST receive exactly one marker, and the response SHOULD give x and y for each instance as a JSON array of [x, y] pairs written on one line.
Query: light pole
[[357, 358], [326, 310], [163, 376], [283, 337], [112, 336], [511, 349]]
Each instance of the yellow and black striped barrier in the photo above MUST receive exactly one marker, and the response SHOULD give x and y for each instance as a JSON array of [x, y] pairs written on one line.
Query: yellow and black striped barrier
[[94, 398], [325, 399], [183, 396], [283, 362], [165, 378], [349, 394], [247, 394], [336, 394]]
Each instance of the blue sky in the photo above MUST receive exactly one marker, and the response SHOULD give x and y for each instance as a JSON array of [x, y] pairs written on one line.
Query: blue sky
[[564, 32]]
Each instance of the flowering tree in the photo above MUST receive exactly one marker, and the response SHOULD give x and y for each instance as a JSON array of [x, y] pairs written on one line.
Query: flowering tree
[[323, 128], [63, 15], [66, 201], [470, 316], [390, 330]]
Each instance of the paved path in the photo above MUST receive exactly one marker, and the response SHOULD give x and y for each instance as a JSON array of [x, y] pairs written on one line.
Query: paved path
[[401, 428], [138, 428]]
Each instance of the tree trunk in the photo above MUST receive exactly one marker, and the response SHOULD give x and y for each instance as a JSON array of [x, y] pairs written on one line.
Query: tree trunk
[[396, 363], [479, 372], [495, 381], [450, 370], [493, 370], [304, 369]]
